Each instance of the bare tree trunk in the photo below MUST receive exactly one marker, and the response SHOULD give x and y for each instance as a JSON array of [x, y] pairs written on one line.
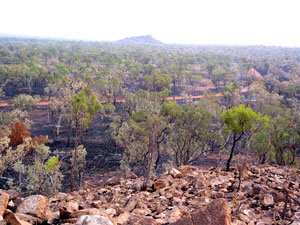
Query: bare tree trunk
[[231, 153], [58, 125], [151, 148]]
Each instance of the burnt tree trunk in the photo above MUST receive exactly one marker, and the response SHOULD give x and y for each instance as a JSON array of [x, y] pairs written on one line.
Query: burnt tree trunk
[[235, 140]]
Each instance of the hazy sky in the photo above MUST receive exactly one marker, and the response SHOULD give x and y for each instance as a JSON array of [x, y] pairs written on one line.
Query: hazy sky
[[267, 22]]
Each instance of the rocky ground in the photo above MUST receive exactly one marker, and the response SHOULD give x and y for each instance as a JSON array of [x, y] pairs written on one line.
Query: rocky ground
[[184, 196]]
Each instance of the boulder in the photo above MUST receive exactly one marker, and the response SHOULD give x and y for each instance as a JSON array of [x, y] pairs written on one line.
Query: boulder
[[113, 181], [93, 220], [175, 173], [160, 184], [13, 219], [123, 218], [28, 218], [3, 202], [217, 212], [141, 220], [187, 220], [267, 200], [13, 194], [82, 212], [71, 207], [131, 203], [174, 215], [250, 214], [111, 212], [244, 218], [34, 205], [188, 170], [52, 217]]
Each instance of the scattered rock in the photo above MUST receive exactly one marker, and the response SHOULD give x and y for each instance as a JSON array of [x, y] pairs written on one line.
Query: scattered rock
[[187, 195]]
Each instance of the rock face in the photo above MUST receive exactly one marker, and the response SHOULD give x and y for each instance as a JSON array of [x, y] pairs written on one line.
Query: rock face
[[34, 205]]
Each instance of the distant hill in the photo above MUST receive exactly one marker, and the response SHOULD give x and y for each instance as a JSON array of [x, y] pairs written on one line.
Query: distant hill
[[148, 39]]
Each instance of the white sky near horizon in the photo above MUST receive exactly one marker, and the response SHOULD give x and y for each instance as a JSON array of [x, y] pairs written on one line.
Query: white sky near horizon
[[231, 22]]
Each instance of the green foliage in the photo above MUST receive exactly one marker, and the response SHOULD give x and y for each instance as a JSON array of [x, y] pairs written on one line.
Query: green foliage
[[38, 176], [172, 111], [42, 176], [240, 119], [109, 87], [63, 70], [189, 132], [141, 139], [108, 108], [157, 82], [261, 147], [84, 107], [9, 156], [231, 88], [25, 102], [52, 163], [80, 162], [284, 136]]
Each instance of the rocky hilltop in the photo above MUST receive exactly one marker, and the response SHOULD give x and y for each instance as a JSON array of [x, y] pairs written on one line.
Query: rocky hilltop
[[145, 40], [183, 196]]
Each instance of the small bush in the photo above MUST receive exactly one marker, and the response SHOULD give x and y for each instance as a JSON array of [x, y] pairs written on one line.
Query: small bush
[[18, 134]]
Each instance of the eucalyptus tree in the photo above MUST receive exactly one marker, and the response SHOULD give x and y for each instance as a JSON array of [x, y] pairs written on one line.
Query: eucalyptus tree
[[83, 107], [238, 121], [141, 138], [231, 96], [189, 129]]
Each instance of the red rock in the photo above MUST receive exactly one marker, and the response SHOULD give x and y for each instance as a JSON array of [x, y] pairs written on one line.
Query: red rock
[[13, 194], [217, 213], [187, 220], [3, 202], [160, 184], [92, 220], [267, 200], [175, 173], [34, 205], [13, 219]]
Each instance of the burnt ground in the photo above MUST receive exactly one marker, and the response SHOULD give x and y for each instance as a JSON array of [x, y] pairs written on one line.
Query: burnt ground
[[102, 154]]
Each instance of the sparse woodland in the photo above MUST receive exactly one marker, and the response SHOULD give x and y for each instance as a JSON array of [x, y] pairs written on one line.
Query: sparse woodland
[[139, 101]]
